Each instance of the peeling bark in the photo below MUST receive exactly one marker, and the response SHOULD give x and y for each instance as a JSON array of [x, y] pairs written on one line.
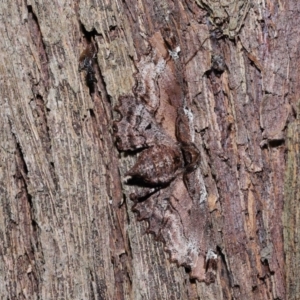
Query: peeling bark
[[209, 136]]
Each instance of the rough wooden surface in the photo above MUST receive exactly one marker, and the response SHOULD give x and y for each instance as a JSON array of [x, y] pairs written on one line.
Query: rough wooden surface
[[291, 213], [66, 221]]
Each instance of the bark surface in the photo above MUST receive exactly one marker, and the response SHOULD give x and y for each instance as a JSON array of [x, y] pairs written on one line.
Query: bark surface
[[197, 101]]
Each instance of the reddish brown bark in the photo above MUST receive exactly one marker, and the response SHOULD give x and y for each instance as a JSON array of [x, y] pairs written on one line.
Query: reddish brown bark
[[206, 125]]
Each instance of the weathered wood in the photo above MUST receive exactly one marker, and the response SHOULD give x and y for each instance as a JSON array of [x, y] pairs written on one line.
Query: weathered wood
[[219, 77], [291, 211]]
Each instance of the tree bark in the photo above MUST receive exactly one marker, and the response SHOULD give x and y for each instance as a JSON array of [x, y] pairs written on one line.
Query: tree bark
[[191, 107]]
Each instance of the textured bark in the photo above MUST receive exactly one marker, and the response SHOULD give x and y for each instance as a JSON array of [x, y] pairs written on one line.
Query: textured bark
[[212, 87]]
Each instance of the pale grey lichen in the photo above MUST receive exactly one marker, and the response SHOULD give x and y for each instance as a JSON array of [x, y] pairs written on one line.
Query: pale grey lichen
[[228, 15]]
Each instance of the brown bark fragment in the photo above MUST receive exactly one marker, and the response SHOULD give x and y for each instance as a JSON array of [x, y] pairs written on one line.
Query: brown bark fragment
[[291, 216]]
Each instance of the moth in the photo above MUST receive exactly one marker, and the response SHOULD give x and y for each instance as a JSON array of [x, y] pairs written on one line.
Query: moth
[[161, 159], [86, 60], [169, 190]]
